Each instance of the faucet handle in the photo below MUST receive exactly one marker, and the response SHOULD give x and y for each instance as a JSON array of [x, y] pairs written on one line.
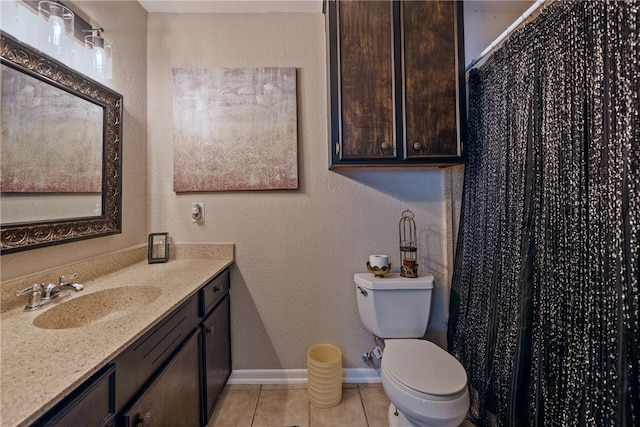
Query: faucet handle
[[35, 298], [36, 287], [65, 280]]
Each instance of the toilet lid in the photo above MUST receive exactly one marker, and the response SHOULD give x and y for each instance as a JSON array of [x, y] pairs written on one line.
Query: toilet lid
[[424, 367]]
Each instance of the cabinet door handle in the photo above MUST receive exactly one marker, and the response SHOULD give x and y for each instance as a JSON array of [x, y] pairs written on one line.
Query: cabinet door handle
[[146, 421], [217, 288], [210, 329]]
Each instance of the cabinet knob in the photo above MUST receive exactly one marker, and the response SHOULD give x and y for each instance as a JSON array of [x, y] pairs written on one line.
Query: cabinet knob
[[145, 421], [210, 329], [385, 146], [217, 288], [417, 146]]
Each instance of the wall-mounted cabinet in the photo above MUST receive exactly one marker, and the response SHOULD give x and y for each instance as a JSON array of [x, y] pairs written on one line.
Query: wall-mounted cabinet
[[396, 82]]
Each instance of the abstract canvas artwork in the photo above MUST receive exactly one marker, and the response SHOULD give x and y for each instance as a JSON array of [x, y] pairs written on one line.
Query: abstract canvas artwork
[[235, 129]]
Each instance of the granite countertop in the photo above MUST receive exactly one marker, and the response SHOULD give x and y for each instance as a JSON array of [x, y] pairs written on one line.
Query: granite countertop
[[39, 367]]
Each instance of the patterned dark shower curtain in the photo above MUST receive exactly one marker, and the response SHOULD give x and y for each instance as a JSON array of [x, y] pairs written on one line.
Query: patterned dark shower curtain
[[544, 304]]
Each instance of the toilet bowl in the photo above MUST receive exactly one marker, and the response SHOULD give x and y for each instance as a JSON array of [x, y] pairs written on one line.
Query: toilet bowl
[[427, 386]]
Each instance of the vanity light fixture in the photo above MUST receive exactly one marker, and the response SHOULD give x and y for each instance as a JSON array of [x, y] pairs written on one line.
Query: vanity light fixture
[[99, 54], [56, 35], [53, 28]]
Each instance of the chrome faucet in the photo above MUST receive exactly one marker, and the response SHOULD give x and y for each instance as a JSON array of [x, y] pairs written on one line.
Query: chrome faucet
[[65, 282], [41, 294]]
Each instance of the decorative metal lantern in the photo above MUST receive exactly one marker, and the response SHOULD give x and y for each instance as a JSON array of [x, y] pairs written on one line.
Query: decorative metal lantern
[[408, 245]]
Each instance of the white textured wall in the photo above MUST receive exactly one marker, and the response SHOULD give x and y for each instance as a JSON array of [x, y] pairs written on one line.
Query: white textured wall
[[125, 25], [485, 20], [296, 251]]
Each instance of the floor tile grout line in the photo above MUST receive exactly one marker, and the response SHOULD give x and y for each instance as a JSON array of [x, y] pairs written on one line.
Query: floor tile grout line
[[255, 408], [309, 411], [366, 418]]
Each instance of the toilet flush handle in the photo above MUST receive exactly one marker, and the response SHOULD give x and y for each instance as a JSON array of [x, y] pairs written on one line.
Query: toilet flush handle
[[362, 291]]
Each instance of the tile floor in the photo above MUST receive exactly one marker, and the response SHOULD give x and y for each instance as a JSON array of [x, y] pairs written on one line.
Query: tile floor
[[362, 405]]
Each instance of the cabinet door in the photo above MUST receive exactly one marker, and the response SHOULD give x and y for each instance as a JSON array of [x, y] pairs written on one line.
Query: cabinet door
[[431, 78], [173, 398], [216, 353], [364, 84]]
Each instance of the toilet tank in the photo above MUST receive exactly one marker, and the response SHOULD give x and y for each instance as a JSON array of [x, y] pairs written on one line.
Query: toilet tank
[[394, 306]]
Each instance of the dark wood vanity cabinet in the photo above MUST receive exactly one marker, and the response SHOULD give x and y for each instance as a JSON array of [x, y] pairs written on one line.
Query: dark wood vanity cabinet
[[185, 390], [396, 82], [171, 376]]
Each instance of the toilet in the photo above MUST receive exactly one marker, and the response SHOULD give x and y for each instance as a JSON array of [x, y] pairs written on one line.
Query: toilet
[[426, 385]]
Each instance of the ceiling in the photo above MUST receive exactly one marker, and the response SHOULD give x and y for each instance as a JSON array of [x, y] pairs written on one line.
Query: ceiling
[[497, 6], [232, 6], [298, 6]]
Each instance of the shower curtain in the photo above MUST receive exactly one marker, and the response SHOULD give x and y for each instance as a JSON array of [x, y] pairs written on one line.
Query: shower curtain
[[544, 304]]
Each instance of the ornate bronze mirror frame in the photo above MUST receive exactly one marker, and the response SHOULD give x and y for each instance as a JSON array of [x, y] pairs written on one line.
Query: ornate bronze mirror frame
[[22, 235]]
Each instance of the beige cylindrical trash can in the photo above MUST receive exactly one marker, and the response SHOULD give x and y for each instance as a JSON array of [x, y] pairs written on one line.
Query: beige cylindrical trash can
[[324, 370]]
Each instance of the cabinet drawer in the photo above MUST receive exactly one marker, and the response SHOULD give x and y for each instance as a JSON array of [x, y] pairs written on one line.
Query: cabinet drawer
[[92, 404], [213, 291]]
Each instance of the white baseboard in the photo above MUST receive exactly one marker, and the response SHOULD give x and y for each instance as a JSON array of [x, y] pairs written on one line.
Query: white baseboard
[[297, 376]]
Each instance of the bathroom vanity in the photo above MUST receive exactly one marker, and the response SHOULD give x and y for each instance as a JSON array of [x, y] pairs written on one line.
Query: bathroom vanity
[[165, 361]]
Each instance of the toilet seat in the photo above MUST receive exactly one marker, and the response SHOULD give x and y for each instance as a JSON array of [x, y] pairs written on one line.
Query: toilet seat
[[423, 369]]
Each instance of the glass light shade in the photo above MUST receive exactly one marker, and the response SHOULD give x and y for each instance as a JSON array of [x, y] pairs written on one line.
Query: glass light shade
[[8, 14], [99, 56], [57, 39], [79, 59], [26, 27]]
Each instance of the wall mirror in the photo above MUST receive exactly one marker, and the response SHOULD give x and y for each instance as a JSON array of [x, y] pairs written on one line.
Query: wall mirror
[[60, 171]]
